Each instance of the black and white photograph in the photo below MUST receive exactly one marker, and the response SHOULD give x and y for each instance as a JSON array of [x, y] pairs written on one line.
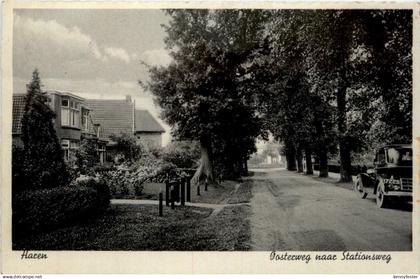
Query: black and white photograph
[[271, 130]]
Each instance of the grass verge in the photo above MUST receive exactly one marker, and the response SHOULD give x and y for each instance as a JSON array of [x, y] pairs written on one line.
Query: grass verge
[[243, 194]]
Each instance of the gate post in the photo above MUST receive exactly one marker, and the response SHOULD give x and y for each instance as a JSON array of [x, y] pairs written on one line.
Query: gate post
[[182, 181], [167, 192], [160, 204], [172, 196], [177, 188], [188, 189]]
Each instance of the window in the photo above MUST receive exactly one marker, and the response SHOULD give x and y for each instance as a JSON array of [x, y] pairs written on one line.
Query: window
[[102, 153], [69, 146], [74, 145], [70, 113], [65, 112], [400, 156], [85, 120], [380, 159], [65, 145], [75, 115]]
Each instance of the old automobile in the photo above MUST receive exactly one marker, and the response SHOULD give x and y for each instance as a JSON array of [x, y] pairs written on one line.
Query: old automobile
[[391, 179]]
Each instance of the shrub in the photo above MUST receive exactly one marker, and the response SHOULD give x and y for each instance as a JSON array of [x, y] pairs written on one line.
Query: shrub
[[101, 188], [126, 147], [119, 181], [46, 209], [87, 156], [128, 179], [18, 175]]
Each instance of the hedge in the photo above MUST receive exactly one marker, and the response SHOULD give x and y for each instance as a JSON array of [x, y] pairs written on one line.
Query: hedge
[[47, 209]]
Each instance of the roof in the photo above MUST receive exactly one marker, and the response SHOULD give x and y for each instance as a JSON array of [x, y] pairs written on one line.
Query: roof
[[18, 110], [64, 94], [145, 122], [114, 116]]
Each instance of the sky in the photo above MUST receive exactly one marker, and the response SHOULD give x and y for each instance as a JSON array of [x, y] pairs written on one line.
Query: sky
[[92, 53]]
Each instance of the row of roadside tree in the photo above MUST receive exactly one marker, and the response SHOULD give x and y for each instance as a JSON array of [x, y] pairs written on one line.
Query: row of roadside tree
[[324, 82]]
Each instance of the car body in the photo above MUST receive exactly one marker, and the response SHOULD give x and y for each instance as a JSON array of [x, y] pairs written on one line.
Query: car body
[[391, 178]]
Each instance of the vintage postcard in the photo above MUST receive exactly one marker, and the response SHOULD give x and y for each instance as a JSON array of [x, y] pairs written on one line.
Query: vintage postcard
[[199, 137]]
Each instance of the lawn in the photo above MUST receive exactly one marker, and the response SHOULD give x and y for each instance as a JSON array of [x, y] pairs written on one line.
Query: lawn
[[138, 227]]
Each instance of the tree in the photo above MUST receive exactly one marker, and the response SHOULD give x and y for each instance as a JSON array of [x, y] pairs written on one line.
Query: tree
[[203, 93], [388, 41], [369, 74], [320, 81], [87, 156], [126, 146], [183, 154], [43, 165], [289, 101]]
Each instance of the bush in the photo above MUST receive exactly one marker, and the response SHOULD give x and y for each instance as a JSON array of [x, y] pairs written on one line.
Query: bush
[[87, 156], [126, 147], [120, 181], [101, 188], [18, 175], [47, 209], [128, 179]]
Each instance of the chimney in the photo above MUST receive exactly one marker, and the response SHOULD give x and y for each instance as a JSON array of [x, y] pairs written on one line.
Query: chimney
[[128, 98]]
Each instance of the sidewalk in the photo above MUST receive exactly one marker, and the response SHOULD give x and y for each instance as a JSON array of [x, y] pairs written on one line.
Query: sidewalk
[[156, 202]]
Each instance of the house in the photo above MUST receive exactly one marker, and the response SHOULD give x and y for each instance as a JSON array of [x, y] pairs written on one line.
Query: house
[[114, 116], [147, 130], [273, 159], [73, 122], [121, 116]]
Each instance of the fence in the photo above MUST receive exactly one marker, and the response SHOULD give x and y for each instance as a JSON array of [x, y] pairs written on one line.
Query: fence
[[177, 190]]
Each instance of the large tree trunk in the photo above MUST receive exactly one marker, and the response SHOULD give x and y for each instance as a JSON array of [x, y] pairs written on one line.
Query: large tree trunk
[[291, 157], [237, 168], [308, 158], [345, 162], [299, 160], [323, 162], [345, 159], [244, 166], [206, 167]]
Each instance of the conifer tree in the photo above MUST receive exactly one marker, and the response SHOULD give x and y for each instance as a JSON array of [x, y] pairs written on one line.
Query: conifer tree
[[44, 165]]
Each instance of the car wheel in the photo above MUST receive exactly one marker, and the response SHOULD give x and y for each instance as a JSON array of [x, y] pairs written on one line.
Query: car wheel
[[381, 200], [358, 187]]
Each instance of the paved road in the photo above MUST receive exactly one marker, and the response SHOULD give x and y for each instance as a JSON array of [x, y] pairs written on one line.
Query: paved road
[[293, 212]]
